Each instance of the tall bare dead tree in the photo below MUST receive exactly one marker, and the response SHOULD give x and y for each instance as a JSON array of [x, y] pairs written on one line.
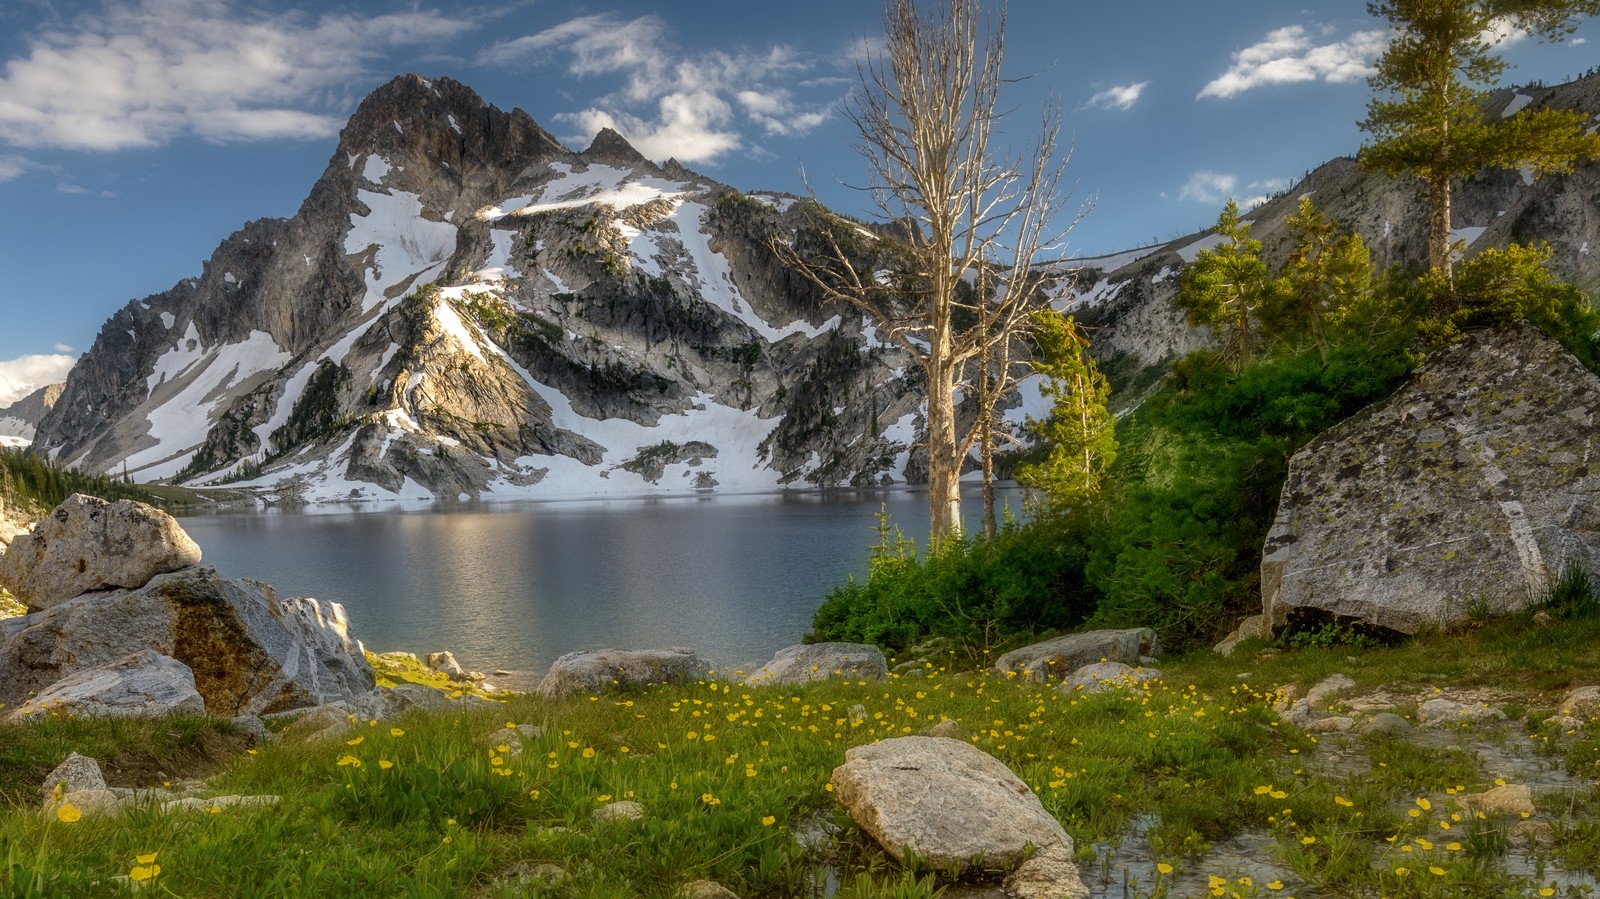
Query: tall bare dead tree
[[926, 110]]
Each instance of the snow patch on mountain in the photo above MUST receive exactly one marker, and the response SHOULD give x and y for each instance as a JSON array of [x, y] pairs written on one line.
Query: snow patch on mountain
[[179, 422]]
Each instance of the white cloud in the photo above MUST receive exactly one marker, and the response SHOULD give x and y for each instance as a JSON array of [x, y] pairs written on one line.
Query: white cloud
[[1208, 187], [12, 167], [25, 374], [1288, 55], [142, 74], [64, 348], [1118, 96], [694, 108], [1579, 41], [1216, 188]]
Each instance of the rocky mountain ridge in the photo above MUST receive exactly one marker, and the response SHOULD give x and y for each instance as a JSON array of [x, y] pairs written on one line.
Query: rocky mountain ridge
[[462, 307], [19, 420], [1127, 299]]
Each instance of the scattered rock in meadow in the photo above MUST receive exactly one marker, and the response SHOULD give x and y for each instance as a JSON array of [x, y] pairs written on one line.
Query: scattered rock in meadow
[[75, 773], [1386, 724], [1062, 655], [1464, 492], [950, 803], [1049, 874], [613, 812], [1253, 626], [142, 685], [250, 652], [524, 875], [707, 889], [445, 663], [1327, 689], [946, 728], [1108, 676], [598, 670], [254, 728], [1337, 724], [1298, 713], [1583, 703], [1564, 723], [1507, 799], [219, 803], [1439, 712], [91, 803], [89, 544], [1531, 834], [804, 663]]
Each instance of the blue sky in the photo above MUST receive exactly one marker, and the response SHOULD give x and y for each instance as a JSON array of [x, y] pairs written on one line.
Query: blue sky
[[137, 134]]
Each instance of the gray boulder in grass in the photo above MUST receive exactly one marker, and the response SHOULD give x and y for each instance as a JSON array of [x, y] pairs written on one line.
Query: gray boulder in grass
[[951, 804], [1059, 657], [599, 670]]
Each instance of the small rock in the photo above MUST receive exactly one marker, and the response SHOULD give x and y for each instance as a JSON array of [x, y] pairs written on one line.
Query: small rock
[[92, 803], [947, 728], [1438, 712], [324, 722], [220, 803], [1509, 799], [501, 672], [1583, 703], [597, 670], [252, 727], [858, 712], [1385, 724], [1328, 688], [1563, 723], [707, 889], [1070, 652], [618, 811], [1542, 618], [1532, 834], [1049, 874], [1297, 713], [1108, 676], [1335, 725], [445, 663], [804, 663], [77, 772]]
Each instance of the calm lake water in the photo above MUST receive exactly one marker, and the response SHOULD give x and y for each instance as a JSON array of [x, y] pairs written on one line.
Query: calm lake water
[[514, 586]]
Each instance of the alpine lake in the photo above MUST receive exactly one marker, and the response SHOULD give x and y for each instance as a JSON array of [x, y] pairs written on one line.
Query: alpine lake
[[509, 587]]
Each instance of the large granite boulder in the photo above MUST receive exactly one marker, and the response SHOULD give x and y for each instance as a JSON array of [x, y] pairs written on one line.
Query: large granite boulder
[[598, 670], [1469, 489], [952, 804], [250, 652], [145, 684], [803, 663], [90, 544], [1063, 655]]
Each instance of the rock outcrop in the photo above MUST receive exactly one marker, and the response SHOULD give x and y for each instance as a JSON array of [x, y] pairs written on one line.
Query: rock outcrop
[[953, 805], [1059, 657], [145, 684], [250, 651], [599, 670], [90, 544], [187, 640], [1468, 491], [805, 662]]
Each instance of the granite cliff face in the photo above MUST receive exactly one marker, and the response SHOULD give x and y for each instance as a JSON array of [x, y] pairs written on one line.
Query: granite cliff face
[[462, 306]]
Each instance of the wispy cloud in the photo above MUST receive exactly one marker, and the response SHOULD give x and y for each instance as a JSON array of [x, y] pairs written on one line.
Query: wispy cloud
[[1216, 188], [12, 167], [693, 107], [25, 374], [1118, 96], [1290, 55], [143, 74]]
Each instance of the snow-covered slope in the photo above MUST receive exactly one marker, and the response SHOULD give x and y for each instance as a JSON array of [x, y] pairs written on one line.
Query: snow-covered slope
[[19, 420], [463, 307]]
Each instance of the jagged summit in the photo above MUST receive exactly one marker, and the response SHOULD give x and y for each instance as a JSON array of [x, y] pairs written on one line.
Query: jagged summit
[[611, 148], [464, 306]]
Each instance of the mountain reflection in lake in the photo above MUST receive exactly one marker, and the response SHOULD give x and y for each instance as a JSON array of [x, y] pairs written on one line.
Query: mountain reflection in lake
[[514, 586]]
